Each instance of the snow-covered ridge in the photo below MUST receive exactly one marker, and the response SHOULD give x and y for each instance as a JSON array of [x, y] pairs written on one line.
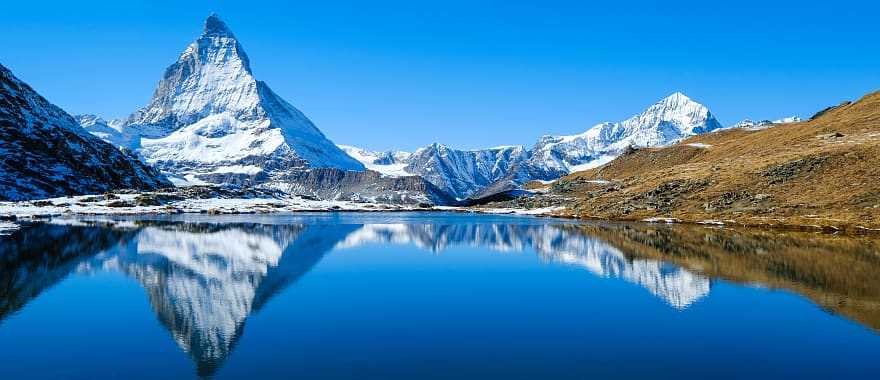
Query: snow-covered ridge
[[763, 124], [459, 172], [668, 121], [209, 114], [390, 163], [465, 173]]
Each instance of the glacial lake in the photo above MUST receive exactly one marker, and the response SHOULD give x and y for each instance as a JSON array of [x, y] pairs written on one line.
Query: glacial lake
[[432, 296]]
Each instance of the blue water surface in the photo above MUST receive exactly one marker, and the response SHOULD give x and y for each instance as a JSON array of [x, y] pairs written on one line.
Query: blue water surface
[[431, 296]]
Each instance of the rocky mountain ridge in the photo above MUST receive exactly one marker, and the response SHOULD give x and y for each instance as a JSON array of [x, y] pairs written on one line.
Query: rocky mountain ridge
[[478, 173], [45, 153]]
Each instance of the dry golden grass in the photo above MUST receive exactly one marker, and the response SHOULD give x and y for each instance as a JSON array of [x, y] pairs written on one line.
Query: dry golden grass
[[824, 172]]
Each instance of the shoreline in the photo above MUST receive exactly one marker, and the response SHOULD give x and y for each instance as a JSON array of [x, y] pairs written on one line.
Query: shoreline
[[12, 213]]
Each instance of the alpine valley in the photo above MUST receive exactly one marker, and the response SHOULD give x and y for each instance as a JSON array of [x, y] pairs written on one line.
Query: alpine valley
[[213, 132], [210, 122]]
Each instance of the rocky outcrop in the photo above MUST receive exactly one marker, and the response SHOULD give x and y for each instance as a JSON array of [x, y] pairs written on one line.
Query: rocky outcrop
[[45, 153], [368, 186]]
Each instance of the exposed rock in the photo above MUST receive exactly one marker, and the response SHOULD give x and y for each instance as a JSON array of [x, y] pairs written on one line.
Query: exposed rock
[[781, 173], [45, 153]]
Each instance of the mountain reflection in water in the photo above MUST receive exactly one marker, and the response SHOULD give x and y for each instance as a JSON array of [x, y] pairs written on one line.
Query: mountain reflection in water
[[204, 279]]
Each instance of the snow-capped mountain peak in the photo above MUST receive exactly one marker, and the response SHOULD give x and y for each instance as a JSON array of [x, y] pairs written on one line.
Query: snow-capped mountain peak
[[686, 116], [210, 120], [468, 173], [669, 120], [211, 76]]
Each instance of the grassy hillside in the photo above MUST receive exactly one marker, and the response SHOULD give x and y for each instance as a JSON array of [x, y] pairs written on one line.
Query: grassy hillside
[[822, 172]]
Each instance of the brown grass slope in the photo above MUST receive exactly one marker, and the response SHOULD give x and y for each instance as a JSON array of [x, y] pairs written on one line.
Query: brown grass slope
[[823, 172]]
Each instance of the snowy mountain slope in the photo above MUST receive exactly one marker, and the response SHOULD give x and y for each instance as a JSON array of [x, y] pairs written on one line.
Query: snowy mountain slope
[[462, 172], [389, 163], [756, 125], [110, 131], [458, 172], [479, 173], [45, 153], [210, 115], [670, 120]]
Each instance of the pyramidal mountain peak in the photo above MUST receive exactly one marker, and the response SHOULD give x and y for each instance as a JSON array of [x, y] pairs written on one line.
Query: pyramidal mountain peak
[[211, 121], [215, 26]]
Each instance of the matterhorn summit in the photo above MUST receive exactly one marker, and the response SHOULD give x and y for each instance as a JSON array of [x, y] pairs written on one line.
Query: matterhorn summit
[[210, 120]]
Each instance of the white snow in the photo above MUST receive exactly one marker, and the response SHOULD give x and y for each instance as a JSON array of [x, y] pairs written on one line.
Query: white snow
[[463, 173], [76, 205], [699, 145], [391, 163], [764, 124], [787, 120], [670, 120], [601, 160]]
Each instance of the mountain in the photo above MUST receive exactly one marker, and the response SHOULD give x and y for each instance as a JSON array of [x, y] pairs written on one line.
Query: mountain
[[389, 163], [364, 186], [463, 172], [670, 120], [47, 154], [460, 173], [480, 173], [820, 173], [751, 124], [210, 120]]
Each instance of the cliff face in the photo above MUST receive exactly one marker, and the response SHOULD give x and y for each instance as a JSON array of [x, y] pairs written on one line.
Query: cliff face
[[329, 183]]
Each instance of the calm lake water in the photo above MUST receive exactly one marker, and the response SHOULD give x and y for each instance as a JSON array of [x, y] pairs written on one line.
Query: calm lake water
[[432, 296]]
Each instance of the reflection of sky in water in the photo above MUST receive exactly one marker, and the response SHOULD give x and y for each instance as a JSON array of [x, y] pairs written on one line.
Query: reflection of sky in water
[[204, 280]]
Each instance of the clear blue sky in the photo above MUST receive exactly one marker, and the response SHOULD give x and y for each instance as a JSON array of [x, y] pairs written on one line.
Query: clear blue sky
[[401, 74]]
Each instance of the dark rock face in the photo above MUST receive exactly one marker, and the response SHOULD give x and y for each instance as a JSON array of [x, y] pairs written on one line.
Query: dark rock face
[[45, 153], [336, 184]]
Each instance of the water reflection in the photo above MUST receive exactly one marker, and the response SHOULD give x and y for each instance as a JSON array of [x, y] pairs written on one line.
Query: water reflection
[[204, 279], [553, 243]]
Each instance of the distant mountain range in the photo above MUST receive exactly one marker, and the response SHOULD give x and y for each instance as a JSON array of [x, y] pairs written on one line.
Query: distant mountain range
[[211, 122], [466, 173]]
